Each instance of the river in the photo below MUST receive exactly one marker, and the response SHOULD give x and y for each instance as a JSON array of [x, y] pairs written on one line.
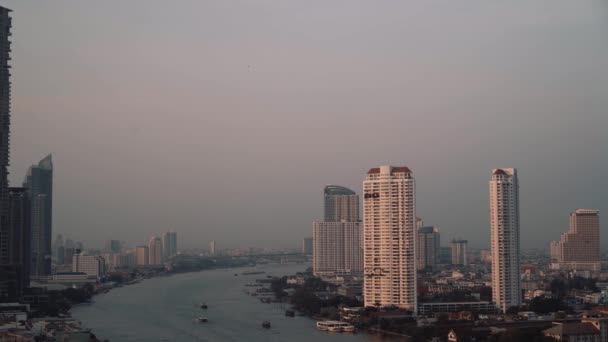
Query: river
[[163, 309]]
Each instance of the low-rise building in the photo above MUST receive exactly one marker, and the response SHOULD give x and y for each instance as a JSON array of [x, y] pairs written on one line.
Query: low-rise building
[[574, 332]]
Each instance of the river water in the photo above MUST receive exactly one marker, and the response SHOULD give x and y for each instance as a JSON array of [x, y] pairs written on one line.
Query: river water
[[163, 309]]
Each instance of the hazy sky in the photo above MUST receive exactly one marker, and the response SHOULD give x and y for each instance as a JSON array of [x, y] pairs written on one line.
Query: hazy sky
[[223, 120]]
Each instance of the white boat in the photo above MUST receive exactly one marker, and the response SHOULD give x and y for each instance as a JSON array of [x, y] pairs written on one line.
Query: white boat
[[201, 319], [335, 326]]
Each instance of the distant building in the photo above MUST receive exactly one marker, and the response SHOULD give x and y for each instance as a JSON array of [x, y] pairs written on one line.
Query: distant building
[[212, 247], [113, 246], [169, 245], [485, 255], [427, 254], [91, 265], [341, 204], [579, 248], [337, 248], [307, 246], [141, 255], [459, 252], [337, 242], [389, 219], [155, 251], [504, 223], [445, 255], [39, 182]]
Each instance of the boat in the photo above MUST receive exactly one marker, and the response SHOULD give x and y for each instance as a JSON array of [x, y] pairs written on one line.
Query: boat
[[266, 325], [204, 306], [290, 313], [335, 326], [252, 272], [201, 319]]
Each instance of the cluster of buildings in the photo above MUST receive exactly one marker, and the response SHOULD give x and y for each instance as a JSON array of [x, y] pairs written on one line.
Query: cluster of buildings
[[26, 211], [390, 246]]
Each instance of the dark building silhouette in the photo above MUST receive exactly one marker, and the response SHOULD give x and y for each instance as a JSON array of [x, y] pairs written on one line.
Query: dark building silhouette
[[39, 182]]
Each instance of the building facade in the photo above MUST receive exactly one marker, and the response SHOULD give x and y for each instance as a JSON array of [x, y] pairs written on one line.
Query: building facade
[[212, 247], [141, 255], [459, 252], [155, 251], [337, 242], [169, 245], [340, 204], [389, 219], [39, 182], [91, 265], [427, 253], [504, 236], [579, 247], [337, 248], [8, 271]]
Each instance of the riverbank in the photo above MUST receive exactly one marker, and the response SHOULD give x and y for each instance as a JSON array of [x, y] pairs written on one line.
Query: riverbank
[[164, 308]]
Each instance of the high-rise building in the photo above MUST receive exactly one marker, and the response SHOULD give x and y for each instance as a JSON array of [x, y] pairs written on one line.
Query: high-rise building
[[113, 246], [389, 218], [579, 247], [92, 265], [427, 252], [14, 265], [39, 182], [341, 204], [142, 255], [337, 248], [155, 251], [459, 252], [307, 246], [337, 245], [8, 272], [212, 247], [504, 223], [169, 245]]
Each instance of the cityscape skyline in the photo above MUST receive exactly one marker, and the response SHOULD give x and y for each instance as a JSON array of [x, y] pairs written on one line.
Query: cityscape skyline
[[556, 112]]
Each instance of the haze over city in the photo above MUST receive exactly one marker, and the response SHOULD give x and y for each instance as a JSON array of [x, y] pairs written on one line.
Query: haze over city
[[225, 120]]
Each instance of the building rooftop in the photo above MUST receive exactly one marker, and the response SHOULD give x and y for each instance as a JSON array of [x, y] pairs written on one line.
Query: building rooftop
[[337, 190], [570, 329]]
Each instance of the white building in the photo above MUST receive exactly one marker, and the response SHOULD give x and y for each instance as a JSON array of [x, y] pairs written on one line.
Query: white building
[[212, 247], [459, 252], [337, 248], [389, 219], [155, 251], [91, 265], [504, 223]]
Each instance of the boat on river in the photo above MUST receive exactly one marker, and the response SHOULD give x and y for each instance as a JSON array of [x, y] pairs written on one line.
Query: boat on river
[[335, 326], [266, 325]]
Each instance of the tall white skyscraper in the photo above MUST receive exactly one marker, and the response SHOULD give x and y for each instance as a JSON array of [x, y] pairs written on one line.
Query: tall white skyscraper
[[337, 241], [504, 223], [389, 219], [212, 247]]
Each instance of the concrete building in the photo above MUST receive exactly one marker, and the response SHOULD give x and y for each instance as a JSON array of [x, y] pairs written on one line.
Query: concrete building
[[5, 119], [141, 255], [427, 253], [15, 255], [212, 247], [39, 182], [459, 252], [155, 251], [340, 204], [579, 247], [91, 265], [169, 245], [307, 246], [337, 242], [504, 236], [337, 248], [574, 332], [389, 219]]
